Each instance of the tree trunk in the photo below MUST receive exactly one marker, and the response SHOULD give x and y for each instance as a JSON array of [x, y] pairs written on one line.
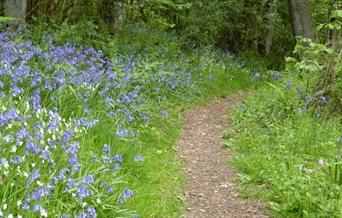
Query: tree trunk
[[16, 8], [2, 4], [270, 27], [301, 18]]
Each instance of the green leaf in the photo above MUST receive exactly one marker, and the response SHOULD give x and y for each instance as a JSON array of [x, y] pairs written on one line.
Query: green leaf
[[329, 50], [6, 19], [337, 14]]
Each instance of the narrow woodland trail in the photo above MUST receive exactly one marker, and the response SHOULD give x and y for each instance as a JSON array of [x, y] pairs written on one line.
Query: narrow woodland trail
[[210, 190]]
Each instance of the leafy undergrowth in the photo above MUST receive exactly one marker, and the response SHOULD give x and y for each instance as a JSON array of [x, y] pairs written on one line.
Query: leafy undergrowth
[[287, 154], [84, 133]]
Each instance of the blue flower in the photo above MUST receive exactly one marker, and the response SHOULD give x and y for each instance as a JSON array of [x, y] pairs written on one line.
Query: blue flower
[[94, 159], [126, 194], [46, 155], [116, 167], [83, 192], [72, 149], [88, 180], [67, 136], [17, 159], [38, 136], [81, 215], [91, 212], [106, 148], [26, 206], [34, 176], [304, 108], [122, 133], [74, 163], [139, 158], [164, 113], [22, 133], [61, 175], [70, 184], [73, 160], [109, 189], [118, 158], [39, 193]]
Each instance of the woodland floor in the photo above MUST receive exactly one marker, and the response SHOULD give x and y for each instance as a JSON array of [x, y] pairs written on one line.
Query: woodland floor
[[211, 189]]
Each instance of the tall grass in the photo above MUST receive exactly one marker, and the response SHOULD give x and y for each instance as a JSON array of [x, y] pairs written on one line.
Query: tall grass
[[286, 154]]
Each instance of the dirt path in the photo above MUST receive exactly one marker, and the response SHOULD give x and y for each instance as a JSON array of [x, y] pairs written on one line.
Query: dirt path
[[210, 190]]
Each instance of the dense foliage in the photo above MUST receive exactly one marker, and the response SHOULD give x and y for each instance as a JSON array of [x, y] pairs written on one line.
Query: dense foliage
[[91, 93]]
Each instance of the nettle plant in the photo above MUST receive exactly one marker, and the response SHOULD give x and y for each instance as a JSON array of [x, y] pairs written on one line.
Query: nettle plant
[[320, 67]]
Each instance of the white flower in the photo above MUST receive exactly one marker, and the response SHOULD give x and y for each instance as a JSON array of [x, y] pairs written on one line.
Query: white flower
[[41, 131], [19, 203], [10, 216], [8, 139], [43, 213], [98, 201], [14, 149], [19, 216], [4, 163]]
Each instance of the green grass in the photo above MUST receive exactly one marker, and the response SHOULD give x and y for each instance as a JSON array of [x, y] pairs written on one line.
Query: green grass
[[157, 180], [278, 150]]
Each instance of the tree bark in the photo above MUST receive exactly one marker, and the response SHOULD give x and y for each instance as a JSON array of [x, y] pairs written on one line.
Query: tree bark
[[2, 4], [301, 18], [270, 27], [16, 8]]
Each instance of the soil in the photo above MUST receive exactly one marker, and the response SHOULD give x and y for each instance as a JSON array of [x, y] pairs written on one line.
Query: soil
[[210, 187]]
